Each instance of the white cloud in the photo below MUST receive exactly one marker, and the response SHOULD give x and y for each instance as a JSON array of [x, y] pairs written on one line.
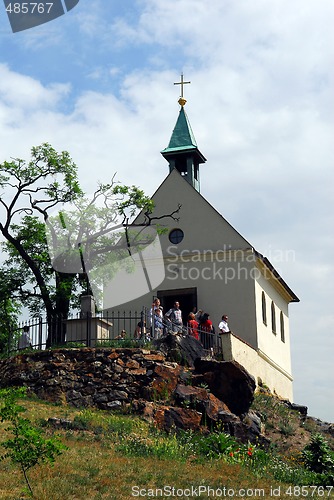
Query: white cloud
[[260, 104], [23, 92]]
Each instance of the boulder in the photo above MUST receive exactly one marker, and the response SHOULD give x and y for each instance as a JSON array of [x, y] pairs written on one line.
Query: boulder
[[182, 349], [246, 429], [301, 409], [168, 417], [201, 400], [228, 381], [164, 380]]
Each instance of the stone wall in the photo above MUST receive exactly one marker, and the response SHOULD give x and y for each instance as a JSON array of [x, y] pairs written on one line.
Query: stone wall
[[104, 378], [165, 392]]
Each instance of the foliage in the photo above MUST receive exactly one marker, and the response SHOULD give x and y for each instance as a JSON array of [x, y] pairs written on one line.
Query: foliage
[[119, 343], [30, 232], [314, 465], [26, 447], [219, 445], [29, 190], [108, 450], [318, 457], [9, 311], [42, 203], [274, 412], [154, 446]]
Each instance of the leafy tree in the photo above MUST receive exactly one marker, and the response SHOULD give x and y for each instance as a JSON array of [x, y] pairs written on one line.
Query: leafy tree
[[29, 189], [45, 194], [26, 446]]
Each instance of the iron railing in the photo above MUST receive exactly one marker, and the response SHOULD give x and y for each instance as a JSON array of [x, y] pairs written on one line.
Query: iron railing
[[104, 329]]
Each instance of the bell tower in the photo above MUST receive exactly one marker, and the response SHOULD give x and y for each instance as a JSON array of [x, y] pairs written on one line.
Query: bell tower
[[182, 152]]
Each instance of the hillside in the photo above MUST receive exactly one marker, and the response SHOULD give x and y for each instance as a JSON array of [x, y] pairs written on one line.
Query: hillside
[[288, 430], [117, 456]]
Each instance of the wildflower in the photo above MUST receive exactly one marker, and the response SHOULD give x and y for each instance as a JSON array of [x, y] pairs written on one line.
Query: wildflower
[[231, 454]]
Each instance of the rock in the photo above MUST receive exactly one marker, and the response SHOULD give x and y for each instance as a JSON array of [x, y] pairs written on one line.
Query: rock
[[122, 395], [247, 429], [60, 423], [117, 368], [254, 422], [296, 407], [168, 418], [54, 421], [181, 418], [321, 425], [114, 405], [228, 381], [111, 378], [165, 379], [201, 400], [132, 364], [182, 349]]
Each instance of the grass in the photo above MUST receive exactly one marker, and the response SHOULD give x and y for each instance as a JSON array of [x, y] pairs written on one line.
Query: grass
[[115, 456]]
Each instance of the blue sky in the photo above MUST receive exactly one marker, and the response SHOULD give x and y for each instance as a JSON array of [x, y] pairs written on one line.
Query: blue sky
[[98, 82]]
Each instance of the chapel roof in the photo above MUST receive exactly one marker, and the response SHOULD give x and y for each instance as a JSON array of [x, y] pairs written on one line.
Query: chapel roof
[[182, 137]]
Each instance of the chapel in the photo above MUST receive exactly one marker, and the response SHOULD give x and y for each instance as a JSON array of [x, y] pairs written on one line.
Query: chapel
[[215, 269]]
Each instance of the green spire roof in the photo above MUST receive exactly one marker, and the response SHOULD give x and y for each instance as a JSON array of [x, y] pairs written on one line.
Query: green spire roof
[[182, 137]]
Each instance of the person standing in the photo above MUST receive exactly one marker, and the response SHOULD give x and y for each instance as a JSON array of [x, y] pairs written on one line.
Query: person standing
[[206, 331], [193, 326], [198, 315], [156, 319], [174, 316], [25, 341], [140, 331], [223, 325]]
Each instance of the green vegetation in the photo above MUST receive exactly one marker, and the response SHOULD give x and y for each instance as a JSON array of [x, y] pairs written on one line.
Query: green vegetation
[[126, 343], [31, 193], [26, 445], [9, 313], [109, 454], [319, 458]]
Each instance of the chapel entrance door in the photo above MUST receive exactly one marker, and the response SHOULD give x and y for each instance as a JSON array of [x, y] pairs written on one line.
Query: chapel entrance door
[[187, 297]]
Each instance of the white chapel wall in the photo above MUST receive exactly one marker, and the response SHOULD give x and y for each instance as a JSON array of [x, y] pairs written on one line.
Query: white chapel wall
[[264, 370], [269, 342]]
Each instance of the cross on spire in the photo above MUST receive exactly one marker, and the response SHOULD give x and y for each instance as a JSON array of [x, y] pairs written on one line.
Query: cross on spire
[[182, 100]]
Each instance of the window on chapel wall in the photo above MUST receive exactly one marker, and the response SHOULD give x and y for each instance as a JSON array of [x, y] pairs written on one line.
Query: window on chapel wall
[[273, 318], [282, 327], [264, 309]]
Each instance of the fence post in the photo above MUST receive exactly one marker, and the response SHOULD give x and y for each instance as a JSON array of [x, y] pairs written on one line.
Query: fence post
[[40, 333], [89, 333], [142, 319]]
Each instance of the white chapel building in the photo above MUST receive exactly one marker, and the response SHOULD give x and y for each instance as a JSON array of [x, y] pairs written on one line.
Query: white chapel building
[[210, 266]]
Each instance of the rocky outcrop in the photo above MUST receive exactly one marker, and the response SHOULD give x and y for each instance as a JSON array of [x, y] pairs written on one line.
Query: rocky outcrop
[[182, 349], [163, 391], [228, 381], [167, 417]]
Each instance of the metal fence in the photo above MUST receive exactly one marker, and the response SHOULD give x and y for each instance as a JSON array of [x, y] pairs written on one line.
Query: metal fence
[[102, 330], [76, 330]]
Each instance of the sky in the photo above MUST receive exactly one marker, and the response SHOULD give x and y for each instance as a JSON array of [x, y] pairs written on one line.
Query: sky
[[98, 82]]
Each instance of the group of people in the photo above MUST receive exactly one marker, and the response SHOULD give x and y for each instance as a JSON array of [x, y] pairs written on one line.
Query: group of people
[[199, 323]]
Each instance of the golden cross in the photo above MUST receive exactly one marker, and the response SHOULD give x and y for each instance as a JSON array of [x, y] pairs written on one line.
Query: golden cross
[[182, 83]]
